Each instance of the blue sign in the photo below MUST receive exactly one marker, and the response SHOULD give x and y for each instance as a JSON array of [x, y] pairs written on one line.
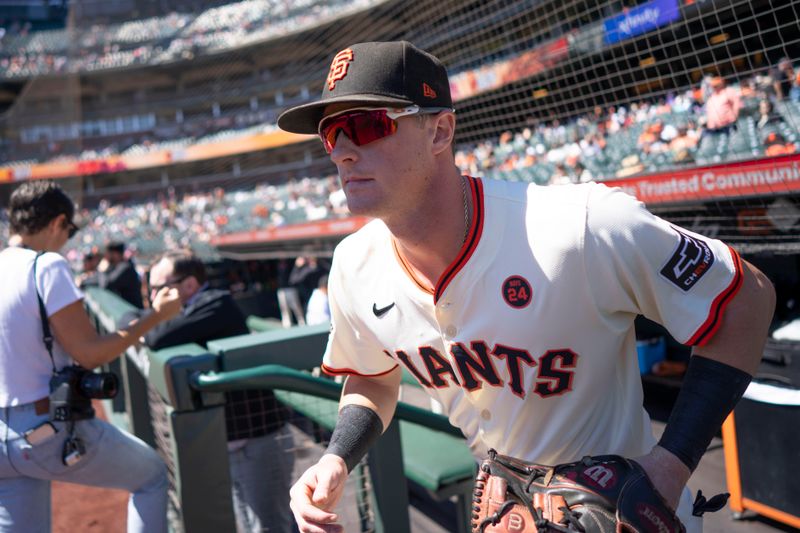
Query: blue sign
[[641, 19]]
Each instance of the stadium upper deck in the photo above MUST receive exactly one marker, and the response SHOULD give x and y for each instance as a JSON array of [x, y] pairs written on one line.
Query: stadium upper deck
[[552, 71], [161, 39]]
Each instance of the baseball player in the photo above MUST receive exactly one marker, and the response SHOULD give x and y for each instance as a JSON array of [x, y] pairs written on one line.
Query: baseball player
[[512, 304]]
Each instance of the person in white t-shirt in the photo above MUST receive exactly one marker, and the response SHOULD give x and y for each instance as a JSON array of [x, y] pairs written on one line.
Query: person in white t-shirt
[[317, 310], [37, 446]]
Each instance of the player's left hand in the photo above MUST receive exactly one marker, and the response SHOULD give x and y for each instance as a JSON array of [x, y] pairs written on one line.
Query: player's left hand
[[667, 473]]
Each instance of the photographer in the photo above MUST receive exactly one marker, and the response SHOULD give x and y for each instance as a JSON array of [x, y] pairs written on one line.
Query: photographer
[[48, 427]]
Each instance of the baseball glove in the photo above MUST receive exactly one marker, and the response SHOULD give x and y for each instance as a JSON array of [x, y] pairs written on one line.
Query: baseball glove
[[601, 494]]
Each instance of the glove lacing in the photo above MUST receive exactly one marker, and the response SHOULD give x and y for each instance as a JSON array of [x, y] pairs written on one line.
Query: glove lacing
[[542, 524], [571, 519]]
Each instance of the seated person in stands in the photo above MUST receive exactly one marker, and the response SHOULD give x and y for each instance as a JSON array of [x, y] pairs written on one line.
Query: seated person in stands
[[766, 114], [683, 144], [775, 145], [118, 275], [650, 140], [259, 442]]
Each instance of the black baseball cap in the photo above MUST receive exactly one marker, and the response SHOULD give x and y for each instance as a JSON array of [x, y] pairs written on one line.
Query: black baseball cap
[[379, 74]]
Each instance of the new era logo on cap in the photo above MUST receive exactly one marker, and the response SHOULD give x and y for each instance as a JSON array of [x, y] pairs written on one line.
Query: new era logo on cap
[[427, 91]]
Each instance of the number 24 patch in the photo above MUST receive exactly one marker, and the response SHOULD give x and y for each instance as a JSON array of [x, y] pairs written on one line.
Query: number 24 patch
[[517, 292]]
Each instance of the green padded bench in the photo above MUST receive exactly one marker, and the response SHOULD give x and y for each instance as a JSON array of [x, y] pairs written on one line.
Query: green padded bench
[[439, 463], [257, 324]]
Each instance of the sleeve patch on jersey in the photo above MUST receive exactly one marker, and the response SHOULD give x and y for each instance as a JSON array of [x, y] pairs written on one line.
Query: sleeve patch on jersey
[[689, 262]]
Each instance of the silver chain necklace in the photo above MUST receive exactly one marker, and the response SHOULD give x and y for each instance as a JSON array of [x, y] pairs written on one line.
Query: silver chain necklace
[[466, 208]]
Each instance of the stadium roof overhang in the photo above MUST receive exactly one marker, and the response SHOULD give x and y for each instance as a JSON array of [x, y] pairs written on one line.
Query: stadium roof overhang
[[317, 238]]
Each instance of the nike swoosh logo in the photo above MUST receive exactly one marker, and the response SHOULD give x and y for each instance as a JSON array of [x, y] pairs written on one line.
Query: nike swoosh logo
[[382, 311]]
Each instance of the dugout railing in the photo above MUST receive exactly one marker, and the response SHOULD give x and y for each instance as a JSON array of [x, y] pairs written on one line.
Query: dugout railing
[[173, 400]]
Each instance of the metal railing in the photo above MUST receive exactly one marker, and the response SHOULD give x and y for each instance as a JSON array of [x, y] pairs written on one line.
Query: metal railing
[[174, 400]]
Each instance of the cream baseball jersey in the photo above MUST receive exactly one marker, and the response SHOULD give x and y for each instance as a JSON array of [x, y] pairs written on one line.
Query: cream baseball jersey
[[528, 340]]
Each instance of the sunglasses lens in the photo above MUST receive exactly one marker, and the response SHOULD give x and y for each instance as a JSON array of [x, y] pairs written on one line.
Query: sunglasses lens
[[361, 127]]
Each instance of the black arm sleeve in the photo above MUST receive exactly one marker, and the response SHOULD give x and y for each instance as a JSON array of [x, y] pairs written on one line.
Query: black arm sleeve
[[709, 392], [357, 429]]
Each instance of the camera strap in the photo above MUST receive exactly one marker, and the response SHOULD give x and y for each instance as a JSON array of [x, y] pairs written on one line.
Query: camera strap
[[73, 446], [47, 336]]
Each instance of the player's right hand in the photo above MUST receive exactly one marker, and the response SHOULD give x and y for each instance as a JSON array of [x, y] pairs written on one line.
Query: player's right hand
[[167, 303], [316, 494]]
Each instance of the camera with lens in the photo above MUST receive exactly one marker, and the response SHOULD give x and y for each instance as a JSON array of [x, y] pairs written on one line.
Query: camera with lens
[[73, 388]]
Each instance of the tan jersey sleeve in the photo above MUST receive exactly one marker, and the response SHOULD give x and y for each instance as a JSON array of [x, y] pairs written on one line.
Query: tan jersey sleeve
[[352, 347], [639, 263]]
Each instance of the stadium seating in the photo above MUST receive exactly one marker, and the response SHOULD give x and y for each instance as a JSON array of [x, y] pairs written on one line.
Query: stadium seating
[[158, 40]]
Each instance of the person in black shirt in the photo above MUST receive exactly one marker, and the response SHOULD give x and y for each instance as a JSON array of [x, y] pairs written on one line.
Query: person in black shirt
[[259, 442], [289, 294], [120, 277]]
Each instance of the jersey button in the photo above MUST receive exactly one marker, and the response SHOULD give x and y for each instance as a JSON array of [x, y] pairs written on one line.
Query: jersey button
[[450, 332], [486, 414]]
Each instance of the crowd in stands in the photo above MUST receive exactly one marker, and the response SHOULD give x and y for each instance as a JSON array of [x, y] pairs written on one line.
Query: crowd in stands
[[193, 219], [757, 117], [712, 123], [157, 40]]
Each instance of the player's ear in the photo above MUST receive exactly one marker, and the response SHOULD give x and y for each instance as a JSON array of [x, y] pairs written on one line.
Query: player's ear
[[444, 125]]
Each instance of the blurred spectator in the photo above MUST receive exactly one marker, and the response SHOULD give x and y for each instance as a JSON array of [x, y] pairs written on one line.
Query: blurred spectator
[[722, 107], [305, 276], [766, 114], [120, 275], [559, 176], [88, 276], [259, 442], [288, 294], [794, 92], [318, 311], [783, 78], [582, 174], [683, 144], [777, 145], [650, 140]]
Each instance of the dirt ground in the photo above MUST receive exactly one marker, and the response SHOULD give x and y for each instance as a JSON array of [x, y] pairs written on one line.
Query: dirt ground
[[88, 509]]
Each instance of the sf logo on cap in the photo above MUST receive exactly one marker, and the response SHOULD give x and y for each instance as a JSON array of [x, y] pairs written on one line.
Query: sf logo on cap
[[339, 67]]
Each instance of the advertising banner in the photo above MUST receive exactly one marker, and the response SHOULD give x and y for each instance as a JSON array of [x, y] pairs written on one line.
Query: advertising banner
[[120, 163], [641, 19], [746, 178], [500, 73], [293, 232]]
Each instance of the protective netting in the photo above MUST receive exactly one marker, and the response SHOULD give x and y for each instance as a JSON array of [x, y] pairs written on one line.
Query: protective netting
[[695, 104]]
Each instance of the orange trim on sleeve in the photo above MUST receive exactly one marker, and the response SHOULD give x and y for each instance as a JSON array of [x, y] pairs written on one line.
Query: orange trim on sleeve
[[350, 372], [718, 306]]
